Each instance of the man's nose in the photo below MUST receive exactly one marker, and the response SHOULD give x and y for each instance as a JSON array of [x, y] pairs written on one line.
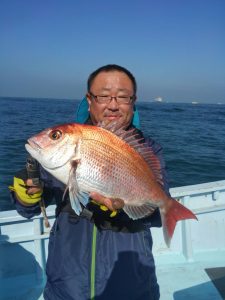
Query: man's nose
[[113, 105]]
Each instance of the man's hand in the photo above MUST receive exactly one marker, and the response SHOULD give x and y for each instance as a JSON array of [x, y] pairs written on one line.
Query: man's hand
[[112, 204], [25, 190], [32, 188]]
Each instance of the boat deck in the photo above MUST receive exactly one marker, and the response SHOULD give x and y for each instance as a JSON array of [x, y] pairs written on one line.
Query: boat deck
[[192, 281]]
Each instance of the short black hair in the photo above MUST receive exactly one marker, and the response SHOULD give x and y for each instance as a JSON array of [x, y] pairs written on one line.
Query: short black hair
[[108, 68]]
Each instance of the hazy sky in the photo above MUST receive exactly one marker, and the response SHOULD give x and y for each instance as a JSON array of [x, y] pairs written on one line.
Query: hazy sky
[[175, 48]]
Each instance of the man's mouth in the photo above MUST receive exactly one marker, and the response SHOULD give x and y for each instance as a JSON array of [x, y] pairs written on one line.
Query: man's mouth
[[112, 117]]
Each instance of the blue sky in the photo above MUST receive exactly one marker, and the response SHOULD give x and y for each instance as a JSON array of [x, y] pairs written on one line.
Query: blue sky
[[175, 48]]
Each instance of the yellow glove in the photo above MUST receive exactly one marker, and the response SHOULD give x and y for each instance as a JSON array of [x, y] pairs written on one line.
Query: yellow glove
[[20, 188]]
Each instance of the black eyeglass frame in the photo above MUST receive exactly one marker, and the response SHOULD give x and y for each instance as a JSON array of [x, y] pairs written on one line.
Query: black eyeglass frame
[[130, 101]]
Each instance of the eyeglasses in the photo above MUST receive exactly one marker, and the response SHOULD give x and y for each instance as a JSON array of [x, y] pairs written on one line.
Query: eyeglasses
[[107, 99]]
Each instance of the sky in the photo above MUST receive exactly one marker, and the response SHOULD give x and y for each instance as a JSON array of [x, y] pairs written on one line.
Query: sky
[[174, 48]]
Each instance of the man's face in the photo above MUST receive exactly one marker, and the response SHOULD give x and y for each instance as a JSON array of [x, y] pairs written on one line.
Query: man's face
[[112, 83]]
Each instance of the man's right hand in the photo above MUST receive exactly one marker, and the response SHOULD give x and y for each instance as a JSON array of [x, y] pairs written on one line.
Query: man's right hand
[[24, 190], [32, 188]]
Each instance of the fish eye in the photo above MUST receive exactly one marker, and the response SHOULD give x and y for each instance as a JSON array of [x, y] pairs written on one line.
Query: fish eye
[[55, 134]]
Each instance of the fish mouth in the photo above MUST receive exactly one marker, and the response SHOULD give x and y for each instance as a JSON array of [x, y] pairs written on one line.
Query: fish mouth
[[33, 145]]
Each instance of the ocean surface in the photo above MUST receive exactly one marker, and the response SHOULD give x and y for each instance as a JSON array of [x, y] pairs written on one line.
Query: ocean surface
[[192, 136]]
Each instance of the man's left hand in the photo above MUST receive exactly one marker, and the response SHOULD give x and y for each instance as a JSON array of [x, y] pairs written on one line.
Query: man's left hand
[[112, 204]]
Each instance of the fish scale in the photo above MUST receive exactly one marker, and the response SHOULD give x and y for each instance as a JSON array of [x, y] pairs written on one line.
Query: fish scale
[[110, 172], [118, 147]]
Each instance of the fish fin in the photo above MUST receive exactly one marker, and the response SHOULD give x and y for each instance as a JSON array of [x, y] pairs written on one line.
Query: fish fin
[[112, 126], [76, 196], [169, 216], [138, 212], [135, 139]]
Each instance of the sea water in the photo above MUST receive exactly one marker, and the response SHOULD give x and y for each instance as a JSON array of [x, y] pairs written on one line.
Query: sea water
[[192, 136]]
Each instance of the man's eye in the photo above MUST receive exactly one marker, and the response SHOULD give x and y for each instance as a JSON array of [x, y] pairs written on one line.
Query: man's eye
[[104, 97], [123, 98]]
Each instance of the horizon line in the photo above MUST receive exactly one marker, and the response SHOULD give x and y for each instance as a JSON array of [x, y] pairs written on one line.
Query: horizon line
[[138, 101]]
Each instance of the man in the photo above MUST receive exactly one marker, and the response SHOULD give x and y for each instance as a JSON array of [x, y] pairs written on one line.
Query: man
[[101, 254]]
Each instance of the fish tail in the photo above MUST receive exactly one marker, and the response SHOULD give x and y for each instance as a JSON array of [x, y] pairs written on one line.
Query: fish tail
[[173, 213]]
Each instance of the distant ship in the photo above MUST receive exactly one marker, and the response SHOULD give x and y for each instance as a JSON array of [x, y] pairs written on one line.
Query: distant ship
[[158, 99], [194, 102]]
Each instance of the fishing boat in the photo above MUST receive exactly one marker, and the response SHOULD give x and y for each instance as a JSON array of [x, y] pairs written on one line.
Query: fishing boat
[[192, 268], [158, 99]]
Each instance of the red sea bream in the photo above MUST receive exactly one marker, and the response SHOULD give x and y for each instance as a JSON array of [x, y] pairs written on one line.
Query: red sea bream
[[110, 162]]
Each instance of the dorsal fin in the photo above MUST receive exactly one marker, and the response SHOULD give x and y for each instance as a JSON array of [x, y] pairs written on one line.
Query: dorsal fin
[[135, 139]]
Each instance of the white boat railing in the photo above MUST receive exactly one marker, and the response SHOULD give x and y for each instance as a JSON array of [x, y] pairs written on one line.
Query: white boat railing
[[193, 239]]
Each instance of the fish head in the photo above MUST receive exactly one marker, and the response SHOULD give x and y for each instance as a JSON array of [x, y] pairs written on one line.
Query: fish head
[[55, 146]]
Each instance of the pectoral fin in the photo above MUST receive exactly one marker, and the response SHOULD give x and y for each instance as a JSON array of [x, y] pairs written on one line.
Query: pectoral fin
[[77, 197]]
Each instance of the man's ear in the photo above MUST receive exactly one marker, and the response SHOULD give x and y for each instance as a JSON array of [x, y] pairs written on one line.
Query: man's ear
[[88, 97]]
